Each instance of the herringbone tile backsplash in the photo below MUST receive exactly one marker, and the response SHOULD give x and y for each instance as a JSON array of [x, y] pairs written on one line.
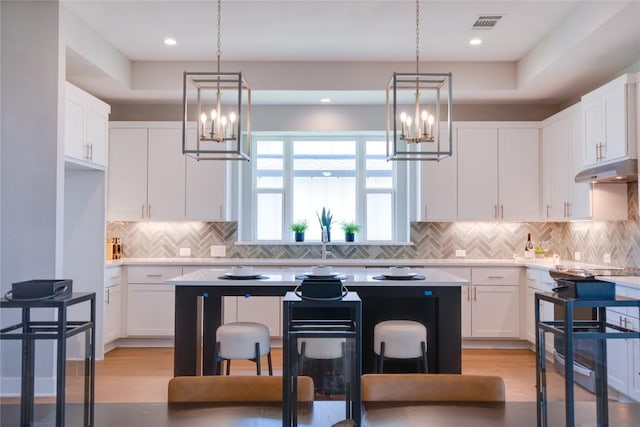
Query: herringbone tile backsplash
[[437, 240]]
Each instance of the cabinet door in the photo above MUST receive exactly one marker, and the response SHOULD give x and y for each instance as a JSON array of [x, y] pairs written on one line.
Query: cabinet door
[[556, 169], [166, 178], [265, 310], [614, 115], [580, 207], [112, 313], [465, 308], [592, 122], [97, 131], [205, 188], [633, 323], [127, 186], [518, 173], [617, 356], [477, 174], [74, 145], [150, 310], [495, 312], [439, 189]]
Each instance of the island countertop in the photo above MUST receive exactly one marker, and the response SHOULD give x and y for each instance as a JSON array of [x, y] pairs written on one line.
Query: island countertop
[[350, 276]]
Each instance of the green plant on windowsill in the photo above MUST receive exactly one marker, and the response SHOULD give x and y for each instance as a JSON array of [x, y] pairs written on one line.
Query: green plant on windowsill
[[350, 230], [299, 227]]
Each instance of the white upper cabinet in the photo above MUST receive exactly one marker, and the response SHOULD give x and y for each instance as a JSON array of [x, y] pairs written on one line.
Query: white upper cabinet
[[205, 188], [477, 173], [563, 198], [519, 173], [127, 175], [150, 178], [562, 145], [86, 128], [498, 173], [166, 176], [439, 189], [609, 114]]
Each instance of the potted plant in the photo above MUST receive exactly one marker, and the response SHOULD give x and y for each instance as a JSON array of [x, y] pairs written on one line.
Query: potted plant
[[299, 227], [325, 219], [350, 230]]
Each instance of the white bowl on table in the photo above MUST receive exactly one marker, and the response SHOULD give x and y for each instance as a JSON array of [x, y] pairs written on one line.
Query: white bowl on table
[[241, 270], [399, 271], [321, 270]]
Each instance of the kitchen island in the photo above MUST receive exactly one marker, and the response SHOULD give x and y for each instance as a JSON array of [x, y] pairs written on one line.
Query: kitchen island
[[434, 301]]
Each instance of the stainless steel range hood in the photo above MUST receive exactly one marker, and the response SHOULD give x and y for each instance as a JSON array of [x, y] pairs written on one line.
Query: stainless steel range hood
[[622, 171]]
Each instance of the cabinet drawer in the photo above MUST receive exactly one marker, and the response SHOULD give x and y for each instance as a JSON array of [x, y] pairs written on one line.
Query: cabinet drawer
[[152, 274], [546, 283], [112, 276], [495, 276]]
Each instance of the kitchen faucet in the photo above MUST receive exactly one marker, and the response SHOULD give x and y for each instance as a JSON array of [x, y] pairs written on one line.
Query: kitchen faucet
[[325, 240]]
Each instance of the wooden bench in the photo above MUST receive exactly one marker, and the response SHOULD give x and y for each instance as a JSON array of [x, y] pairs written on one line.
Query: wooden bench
[[234, 388], [432, 388]]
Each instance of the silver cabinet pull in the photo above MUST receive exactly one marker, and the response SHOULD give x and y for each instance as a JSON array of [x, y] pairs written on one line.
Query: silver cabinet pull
[[495, 211], [148, 211], [548, 207], [475, 293], [502, 211], [142, 214], [496, 277], [569, 210], [154, 275]]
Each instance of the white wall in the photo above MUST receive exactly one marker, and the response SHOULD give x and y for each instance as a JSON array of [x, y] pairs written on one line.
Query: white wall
[[31, 159]]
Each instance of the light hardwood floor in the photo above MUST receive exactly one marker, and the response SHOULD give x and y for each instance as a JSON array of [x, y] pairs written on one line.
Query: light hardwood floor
[[142, 374]]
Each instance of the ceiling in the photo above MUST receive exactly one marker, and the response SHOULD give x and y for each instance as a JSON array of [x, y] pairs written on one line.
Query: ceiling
[[540, 51]]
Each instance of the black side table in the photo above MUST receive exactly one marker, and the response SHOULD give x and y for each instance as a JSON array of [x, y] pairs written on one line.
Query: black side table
[[322, 319], [569, 329], [29, 331]]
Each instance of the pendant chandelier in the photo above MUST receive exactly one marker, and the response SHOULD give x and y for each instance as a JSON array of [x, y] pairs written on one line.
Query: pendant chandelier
[[419, 125], [221, 130]]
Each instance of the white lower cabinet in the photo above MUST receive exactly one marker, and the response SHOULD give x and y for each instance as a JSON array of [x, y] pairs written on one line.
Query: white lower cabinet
[[151, 302], [265, 310], [490, 307], [538, 281], [112, 313], [623, 355]]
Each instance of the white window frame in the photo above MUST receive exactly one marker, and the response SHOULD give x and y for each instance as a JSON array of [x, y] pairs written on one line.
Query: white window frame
[[249, 190]]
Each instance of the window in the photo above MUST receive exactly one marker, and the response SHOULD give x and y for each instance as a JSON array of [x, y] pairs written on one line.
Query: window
[[295, 175]]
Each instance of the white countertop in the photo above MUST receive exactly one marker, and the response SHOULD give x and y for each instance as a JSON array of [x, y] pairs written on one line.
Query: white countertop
[[354, 277], [358, 262]]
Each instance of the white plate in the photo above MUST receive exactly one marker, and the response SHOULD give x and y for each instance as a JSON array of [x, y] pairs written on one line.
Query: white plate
[[252, 274], [398, 276], [321, 276]]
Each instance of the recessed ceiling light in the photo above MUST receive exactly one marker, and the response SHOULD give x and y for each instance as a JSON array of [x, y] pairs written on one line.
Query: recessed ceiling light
[[475, 41], [169, 41], [325, 100]]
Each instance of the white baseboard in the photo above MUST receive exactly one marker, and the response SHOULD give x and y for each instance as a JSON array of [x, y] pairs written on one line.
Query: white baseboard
[[11, 386], [493, 343]]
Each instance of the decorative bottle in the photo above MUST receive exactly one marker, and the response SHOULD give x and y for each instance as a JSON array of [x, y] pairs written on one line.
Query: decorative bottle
[[528, 247]]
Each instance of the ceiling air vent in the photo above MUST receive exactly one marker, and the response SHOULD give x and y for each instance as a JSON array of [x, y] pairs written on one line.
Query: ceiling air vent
[[486, 22]]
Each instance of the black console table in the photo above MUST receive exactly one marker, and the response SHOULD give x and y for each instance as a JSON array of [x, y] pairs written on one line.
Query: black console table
[[569, 329], [318, 318], [29, 331]]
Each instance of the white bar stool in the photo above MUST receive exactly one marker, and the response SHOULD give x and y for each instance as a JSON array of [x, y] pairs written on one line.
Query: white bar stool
[[242, 340], [324, 349], [400, 339]]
